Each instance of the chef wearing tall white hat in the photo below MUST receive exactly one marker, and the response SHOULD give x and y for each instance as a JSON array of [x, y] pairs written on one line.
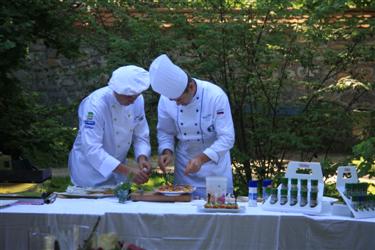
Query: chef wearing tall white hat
[[111, 119], [197, 113]]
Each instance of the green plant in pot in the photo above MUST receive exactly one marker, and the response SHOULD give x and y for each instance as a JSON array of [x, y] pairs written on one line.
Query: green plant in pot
[[122, 191]]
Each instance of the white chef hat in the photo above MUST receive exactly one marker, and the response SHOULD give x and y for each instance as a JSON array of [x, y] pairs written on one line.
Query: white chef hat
[[167, 78], [129, 80]]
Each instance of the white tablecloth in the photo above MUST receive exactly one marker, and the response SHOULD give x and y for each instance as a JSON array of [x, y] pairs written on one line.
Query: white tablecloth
[[181, 226]]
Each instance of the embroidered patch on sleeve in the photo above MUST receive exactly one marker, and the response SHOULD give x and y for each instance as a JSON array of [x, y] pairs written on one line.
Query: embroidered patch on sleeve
[[89, 123], [90, 116]]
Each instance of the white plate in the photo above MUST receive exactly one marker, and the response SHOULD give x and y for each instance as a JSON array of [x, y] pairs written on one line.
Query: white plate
[[240, 209], [174, 193], [5, 203], [89, 196]]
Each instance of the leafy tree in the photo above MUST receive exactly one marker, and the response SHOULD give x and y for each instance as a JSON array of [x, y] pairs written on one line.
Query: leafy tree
[[25, 126], [252, 49], [290, 68]]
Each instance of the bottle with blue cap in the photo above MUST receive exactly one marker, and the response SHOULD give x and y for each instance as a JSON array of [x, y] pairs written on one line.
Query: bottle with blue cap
[[253, 193]]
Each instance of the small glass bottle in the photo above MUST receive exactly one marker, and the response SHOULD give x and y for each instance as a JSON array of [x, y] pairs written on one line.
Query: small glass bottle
[[314, 185], [348, 190], [293, 197], [303, 184], [284, 183], [283, 196], [313, 198], [355, 203], [293, 191], [294, 183], [364, 188], [274, 198], [303, 201]]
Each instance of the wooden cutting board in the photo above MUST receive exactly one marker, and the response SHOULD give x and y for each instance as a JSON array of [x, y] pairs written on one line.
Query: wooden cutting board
[[153, 196]]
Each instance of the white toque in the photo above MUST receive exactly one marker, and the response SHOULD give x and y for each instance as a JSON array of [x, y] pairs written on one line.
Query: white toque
[[167, 78], [129, 80]]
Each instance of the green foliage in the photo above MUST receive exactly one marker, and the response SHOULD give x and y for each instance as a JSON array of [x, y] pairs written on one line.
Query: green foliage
[[290, 69], [364, 152], [27, 129], [35, 132]]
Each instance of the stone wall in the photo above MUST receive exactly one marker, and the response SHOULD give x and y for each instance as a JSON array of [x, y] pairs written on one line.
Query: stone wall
[[66, 81], [59, 80]]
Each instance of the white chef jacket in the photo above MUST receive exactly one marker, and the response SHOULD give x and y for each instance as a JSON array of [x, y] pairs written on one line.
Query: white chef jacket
[[204, 125], [106, 131]]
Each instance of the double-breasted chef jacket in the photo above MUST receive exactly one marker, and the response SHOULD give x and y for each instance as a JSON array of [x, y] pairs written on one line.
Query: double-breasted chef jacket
[[107, 129], [204, 125]]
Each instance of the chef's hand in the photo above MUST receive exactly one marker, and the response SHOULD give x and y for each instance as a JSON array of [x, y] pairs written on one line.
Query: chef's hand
[[134, 174], [195, 164], [138, 176], [144, 164], [165, 159]]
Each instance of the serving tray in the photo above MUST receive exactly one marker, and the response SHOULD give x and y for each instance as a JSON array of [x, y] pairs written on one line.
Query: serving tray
[[155, 196]]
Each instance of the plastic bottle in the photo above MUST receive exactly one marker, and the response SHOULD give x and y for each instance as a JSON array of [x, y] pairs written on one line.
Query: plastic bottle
[[253, 193]]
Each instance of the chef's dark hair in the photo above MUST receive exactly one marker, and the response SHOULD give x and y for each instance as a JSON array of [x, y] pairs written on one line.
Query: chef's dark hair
[[189, 78]]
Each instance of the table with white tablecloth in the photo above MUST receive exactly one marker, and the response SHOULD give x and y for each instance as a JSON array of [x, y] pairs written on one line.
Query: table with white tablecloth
[[182, 225]]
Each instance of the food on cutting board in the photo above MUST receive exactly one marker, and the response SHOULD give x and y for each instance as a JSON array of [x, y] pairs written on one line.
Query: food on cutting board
[[175, 188], [217, 205], [227, 201]]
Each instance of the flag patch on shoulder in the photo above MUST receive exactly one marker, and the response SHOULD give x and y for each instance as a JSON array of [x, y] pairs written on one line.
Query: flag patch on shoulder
[[220, 112]]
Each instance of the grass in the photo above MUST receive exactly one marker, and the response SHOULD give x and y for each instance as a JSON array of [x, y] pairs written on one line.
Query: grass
[[59, 184]]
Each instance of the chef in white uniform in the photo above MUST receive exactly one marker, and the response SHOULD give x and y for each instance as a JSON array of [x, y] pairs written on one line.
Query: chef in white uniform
[[111, 119], [194, 125]]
